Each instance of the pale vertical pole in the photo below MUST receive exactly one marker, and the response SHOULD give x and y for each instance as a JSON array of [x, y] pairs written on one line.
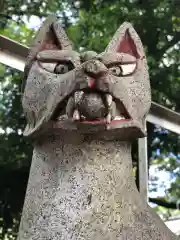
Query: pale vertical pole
[[143, 168]]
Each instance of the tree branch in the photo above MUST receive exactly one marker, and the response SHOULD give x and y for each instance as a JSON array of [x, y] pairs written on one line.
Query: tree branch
[[162, 202]]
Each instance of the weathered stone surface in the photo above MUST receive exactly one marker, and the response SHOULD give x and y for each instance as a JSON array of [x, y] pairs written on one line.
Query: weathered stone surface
[[82, 112]]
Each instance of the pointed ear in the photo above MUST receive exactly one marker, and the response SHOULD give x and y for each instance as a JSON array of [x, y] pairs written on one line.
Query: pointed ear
[[126, 40], [51, 35]]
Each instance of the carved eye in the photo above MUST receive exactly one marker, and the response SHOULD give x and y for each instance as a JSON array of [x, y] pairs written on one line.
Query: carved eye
[[58, 68], [128, 68], [48, 66], [116, 70], [123, 69], [63, 68]]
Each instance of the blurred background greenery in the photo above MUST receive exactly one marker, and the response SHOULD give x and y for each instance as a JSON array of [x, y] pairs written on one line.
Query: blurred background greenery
[[90, 25]]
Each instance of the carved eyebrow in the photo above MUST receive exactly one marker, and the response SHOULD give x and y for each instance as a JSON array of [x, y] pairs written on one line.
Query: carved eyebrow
[[59, 56], [109, 58]]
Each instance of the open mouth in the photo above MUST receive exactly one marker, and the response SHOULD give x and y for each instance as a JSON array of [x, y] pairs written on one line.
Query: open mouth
[[93, 107], [115, 112]]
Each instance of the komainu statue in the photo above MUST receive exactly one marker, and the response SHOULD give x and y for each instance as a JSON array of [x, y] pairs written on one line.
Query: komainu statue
[[83, 110]]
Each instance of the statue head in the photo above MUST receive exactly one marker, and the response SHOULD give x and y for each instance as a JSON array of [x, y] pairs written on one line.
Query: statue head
[[103, 95]]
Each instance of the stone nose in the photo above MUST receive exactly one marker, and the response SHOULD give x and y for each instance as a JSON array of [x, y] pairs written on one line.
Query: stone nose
[[95, 68]]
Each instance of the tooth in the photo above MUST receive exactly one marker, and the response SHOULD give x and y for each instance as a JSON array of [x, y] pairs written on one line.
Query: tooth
[[78, 96], [113, 110], [76, 115], [108, 99], [108, 118], [118, 118], [83, 117], [70, 107]]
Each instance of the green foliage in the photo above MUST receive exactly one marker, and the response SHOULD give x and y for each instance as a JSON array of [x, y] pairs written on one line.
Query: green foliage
[[20, 33], [90, 25]]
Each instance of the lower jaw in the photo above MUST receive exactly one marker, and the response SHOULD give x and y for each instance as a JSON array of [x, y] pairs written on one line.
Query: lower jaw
[[103, 121], [124, 129]]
